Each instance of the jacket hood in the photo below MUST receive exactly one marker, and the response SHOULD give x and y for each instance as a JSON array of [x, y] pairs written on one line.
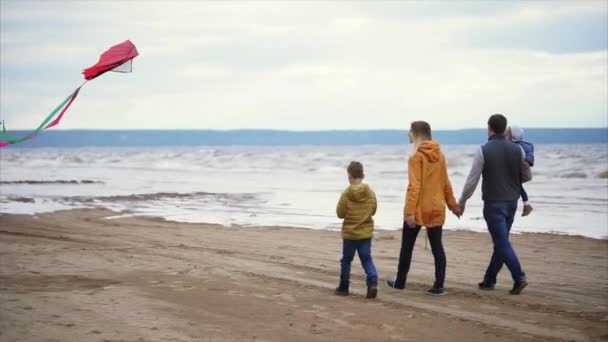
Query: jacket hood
[[359, 192], [431, 150], [517, 133]]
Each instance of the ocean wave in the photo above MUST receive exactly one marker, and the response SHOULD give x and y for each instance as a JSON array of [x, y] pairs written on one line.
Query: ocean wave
[[158, 196], [19, 199], [580, 175], [60, 181]]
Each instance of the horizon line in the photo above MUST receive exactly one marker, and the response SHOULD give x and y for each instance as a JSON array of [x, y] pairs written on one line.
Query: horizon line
[[298, 131]]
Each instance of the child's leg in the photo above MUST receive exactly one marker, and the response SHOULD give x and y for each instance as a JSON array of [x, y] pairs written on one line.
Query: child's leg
[[434, 235], [365, 254], [524, 195], [349, 247], [408, 240]]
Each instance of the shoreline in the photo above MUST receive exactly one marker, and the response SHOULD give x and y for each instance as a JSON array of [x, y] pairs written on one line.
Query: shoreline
[[76, 275], [125, 214], [128, 214]]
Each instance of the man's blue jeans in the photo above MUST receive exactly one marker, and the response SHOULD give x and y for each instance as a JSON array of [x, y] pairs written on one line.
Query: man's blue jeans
[[499, 216], [364, 248]]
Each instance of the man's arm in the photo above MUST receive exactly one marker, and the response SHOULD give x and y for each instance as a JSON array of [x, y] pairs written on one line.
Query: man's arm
[[447, 189], [473, 179], [341, 208]]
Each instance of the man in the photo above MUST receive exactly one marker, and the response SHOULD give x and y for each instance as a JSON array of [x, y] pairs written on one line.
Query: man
[[501, 163]]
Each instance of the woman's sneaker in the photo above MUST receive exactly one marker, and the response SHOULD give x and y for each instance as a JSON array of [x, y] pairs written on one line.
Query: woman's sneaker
[[342, 291], [436, 291], [391, 283], [485, 287]]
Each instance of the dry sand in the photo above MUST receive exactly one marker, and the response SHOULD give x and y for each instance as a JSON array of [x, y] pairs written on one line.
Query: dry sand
[[76, 276]]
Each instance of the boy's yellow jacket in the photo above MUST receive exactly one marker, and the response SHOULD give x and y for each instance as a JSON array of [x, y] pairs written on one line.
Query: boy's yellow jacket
[[357, 205]]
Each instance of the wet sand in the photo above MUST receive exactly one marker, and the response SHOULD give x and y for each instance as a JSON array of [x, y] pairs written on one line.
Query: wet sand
[[77, 276]]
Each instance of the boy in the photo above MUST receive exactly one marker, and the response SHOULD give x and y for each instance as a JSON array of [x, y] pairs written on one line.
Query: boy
[[516, 134], [357, 205]]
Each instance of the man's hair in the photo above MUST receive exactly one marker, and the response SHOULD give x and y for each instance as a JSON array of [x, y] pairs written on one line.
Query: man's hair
[[421, 129], [355, 169], [498, 123]]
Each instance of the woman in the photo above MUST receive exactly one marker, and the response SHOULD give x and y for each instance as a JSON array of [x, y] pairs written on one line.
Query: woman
[[428, 192]]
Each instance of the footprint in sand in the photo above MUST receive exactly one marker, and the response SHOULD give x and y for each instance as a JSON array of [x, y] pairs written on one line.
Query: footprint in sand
[[488, 307], [286, 297], [323, 315], [387, 327], [185, 288], [340, 322], [235, 293]]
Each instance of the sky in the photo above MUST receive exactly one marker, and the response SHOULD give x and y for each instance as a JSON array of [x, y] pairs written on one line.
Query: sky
[[315, 65]]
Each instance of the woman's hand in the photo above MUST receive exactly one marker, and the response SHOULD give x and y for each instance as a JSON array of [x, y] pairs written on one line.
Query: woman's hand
[[410, 221], [457, 211]]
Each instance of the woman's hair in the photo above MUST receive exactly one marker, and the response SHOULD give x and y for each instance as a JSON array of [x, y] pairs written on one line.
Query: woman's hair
[[421, 129]]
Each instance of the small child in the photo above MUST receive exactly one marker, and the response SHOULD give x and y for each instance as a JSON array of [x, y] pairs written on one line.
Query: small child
[[357, 205], [516, 134]]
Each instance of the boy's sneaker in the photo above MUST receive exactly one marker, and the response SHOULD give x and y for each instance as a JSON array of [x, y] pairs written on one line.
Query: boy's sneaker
[[342, 291], [527, 210], [436, 291], [391, 283], [518, 287], [485, 287], [372, 292]]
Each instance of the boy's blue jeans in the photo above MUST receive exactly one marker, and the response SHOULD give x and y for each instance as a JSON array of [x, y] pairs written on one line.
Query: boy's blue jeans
[[364, 248], [499, 216]]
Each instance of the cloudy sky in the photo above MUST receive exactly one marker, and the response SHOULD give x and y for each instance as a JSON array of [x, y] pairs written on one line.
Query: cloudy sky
[[308, 65]]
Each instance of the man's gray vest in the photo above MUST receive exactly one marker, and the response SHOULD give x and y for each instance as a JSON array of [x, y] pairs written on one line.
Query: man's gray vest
[[501, 170]]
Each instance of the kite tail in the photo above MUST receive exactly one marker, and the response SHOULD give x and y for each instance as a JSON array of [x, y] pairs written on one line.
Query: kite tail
[[61, 109]]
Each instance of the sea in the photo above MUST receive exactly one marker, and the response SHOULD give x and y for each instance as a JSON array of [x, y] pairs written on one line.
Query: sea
[[293, 183]]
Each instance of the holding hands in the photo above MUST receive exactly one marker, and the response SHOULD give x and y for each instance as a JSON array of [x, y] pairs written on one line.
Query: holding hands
[[458, 211]]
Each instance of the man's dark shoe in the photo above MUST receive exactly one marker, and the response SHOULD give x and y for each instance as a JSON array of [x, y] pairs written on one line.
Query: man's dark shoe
[[372, 292], [518, 287], [391, 283], [436, 291], [485, 287], [342, 291]]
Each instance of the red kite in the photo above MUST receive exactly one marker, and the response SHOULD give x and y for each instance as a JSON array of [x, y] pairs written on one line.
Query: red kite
[[119, 58]]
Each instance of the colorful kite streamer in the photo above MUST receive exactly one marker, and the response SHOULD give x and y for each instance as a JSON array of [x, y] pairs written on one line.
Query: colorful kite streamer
[[119, 58]]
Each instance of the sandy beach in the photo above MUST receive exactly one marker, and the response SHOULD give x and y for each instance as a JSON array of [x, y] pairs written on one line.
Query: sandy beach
[[77, 276]]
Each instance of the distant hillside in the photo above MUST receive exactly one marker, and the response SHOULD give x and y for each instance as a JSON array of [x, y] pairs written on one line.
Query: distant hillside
[[155, 138]]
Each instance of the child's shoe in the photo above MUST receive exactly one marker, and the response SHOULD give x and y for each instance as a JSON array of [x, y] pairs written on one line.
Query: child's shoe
[[518, 287], [340, 291], [372, 292], [527, 210]]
